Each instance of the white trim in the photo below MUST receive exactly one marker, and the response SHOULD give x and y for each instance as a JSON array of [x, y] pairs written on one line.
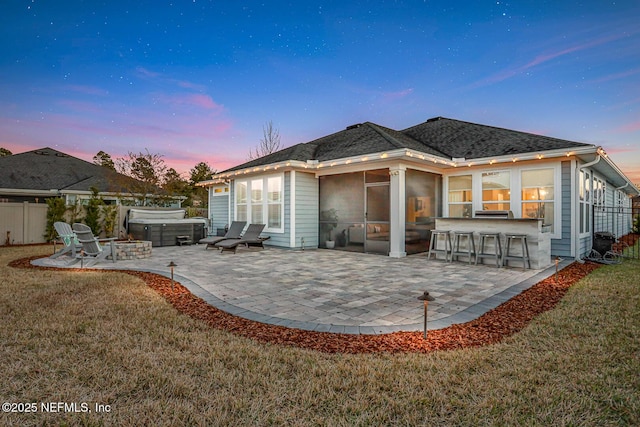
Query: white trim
[[265, 200], [292, 209], [398, 206]]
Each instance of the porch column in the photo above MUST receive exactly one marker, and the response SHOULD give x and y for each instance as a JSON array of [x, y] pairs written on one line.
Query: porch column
[[397, 212]]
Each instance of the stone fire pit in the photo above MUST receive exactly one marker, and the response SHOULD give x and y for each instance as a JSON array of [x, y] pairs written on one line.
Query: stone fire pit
[[134, 249]]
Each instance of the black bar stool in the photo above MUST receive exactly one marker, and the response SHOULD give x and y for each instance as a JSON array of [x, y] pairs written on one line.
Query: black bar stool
[[471, 245], [497, 247], [433, 244], [524, 257]]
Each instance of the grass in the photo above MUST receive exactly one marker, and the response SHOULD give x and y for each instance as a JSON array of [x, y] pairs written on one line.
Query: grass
[[106, 338]]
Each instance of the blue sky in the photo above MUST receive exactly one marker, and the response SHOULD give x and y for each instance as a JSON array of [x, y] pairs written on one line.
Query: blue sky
[[197, 80]]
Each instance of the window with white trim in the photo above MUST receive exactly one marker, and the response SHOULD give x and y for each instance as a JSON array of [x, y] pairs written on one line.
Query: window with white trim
[[261, 201], [538, 195], [460, 196], [496, 190]]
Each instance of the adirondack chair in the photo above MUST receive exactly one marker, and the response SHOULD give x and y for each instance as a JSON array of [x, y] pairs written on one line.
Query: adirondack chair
[[92, 251], [68, 239]]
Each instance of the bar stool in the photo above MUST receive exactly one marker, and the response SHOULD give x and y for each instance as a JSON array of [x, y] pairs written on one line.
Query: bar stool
[[471, 245], [497, 247], [433, 244], [525, 250]]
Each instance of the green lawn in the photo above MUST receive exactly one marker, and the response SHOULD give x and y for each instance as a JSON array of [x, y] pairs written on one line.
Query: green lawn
[[106, 338]]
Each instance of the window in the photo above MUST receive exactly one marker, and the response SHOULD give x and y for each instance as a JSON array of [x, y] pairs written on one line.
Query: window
[[265, 204], [460, 196], [538, 195], [274, 202], [585, 202], [496, 191]]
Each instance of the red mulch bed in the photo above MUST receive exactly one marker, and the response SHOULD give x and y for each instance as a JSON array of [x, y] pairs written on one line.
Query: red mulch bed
[[506, 319]]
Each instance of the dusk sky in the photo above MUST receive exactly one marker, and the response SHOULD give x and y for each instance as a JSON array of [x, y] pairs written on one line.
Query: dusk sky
[[197, 80]]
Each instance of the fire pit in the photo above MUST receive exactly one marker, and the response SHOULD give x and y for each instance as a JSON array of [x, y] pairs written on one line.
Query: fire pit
[[132, 249]]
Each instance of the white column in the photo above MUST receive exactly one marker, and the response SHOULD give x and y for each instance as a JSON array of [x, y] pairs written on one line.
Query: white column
[[398, 212]]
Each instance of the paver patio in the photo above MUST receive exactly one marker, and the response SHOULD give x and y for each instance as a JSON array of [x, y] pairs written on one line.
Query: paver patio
[[336, 291]]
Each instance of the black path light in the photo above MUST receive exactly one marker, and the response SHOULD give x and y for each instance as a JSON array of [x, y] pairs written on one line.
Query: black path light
[[426, 298], [172, 265]]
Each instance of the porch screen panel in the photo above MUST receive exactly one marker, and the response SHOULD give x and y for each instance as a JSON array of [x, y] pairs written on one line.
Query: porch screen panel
[[423, 205], [342, 210], [538, 195], [460, 196], [496, 191]]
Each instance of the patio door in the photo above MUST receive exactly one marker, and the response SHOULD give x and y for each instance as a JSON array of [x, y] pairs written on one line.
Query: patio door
[[377, 226]]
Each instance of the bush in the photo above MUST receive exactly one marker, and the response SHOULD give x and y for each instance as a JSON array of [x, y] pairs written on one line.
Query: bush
[[55, 212]]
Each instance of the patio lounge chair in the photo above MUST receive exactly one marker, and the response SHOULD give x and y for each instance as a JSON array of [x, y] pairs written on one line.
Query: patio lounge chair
[[250, 238], [92, 251], [68, 238], [234, 232]]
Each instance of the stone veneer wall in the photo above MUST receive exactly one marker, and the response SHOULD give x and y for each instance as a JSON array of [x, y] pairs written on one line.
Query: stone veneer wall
[[133, 250]]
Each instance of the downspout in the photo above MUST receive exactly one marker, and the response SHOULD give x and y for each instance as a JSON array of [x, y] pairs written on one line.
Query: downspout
[[576, 247]]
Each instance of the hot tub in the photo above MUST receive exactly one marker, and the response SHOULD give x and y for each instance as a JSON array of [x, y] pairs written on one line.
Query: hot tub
[[162, 228]]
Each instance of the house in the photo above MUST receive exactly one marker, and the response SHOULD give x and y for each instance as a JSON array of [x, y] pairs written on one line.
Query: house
[[35, 175], [28, 179], [373, 189]]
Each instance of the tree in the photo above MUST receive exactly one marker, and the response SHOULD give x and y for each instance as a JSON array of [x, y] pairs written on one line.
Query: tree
[[4, 152], [200, 172], [175, 185], [104, 159], [270, 142], [56, 209], [92, 216], [148, 171]]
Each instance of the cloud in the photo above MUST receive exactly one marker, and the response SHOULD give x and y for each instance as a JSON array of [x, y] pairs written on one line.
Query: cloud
[[393, 96], [544, 58], [197, 100], [617, 76], [629, 127]]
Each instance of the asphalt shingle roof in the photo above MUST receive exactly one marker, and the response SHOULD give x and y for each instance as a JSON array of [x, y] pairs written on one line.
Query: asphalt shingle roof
[[49, 169], [439, 136]]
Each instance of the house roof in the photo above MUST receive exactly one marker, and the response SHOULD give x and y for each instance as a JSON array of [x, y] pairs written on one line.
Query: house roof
[[459, 139], [47, 169], [441, 137]]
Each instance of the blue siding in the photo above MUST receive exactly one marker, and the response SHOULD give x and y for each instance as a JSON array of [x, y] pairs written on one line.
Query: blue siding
[[219, 212], [562, 247], [307, 200]]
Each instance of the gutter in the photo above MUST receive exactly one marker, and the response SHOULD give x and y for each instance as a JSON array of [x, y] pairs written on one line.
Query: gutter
[[576, 243]]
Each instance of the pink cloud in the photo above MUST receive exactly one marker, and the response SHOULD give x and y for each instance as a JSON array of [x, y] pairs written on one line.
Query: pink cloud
[[629, 127], [541, 59], [392, 96], [617, 76], [197, 100]]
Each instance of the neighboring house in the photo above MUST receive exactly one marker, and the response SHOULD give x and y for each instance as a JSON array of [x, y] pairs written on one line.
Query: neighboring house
[[28, 179], [374, 189], [36, 175]]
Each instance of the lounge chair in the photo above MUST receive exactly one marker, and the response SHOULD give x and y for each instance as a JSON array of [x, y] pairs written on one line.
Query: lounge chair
[[68, 239], [234, 232], [251, 237], [92, 251]]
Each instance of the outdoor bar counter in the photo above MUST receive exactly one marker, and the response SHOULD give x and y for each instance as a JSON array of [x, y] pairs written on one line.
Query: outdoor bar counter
[[538, 237]]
